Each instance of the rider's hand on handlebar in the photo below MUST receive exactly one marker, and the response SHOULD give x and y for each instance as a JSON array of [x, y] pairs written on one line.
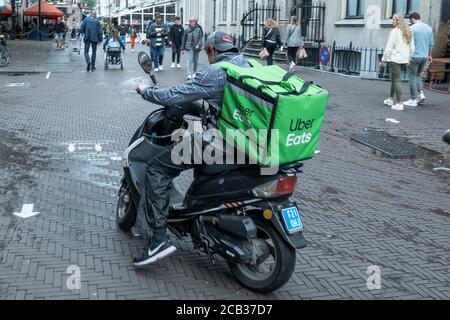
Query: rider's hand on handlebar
[[142, 86]]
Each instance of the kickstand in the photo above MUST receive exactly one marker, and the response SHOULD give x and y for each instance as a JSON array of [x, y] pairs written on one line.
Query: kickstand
[[208, 252]]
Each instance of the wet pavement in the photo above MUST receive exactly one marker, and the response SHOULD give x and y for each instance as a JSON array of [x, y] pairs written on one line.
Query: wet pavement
[[61, 138]]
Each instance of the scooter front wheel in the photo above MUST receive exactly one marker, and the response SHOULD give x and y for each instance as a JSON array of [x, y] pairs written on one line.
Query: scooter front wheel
[[126, 211]]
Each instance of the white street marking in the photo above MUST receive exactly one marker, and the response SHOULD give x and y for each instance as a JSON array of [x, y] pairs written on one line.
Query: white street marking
[[98, 147], [71, 147], [392, 121], [27, 211], [116, 158], [48, 76]]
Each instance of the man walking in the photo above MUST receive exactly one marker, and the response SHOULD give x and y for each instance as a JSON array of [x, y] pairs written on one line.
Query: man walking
[[123, 30], [176, 40], [92, 31], [157, 33], [424, 43]]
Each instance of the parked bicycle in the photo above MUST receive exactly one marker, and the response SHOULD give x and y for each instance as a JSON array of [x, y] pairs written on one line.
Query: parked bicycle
[[4, 52]]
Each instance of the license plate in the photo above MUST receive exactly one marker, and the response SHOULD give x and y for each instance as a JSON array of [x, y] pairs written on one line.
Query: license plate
[[292, 219]]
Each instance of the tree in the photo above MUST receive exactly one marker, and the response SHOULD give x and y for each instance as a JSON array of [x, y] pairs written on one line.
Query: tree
[[89, 3]]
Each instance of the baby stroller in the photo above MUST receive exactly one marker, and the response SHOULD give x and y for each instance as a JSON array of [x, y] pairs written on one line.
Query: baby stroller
[[113, 56]]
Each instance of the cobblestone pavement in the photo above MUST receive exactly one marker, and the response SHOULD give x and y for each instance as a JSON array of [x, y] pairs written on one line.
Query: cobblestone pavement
[[59, 142]]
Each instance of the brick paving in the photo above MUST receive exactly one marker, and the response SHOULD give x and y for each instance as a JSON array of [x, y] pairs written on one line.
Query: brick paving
[[359, 209]]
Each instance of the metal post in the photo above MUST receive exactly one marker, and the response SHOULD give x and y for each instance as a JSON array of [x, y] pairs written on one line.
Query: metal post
[[332, 56], [39, 20], [349, 57], [214, 15], [256, 22]]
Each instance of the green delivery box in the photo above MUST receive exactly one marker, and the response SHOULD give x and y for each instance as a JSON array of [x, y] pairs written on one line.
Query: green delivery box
[[271, 114]]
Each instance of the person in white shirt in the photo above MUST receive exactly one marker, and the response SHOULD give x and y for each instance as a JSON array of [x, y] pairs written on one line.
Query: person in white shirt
[[398, 54]]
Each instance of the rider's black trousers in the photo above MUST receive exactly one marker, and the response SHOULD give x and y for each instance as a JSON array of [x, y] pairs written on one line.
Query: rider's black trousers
[[155, 201]]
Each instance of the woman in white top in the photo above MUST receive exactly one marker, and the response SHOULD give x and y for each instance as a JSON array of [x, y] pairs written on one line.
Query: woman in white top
[[293, 42], [398, 54]]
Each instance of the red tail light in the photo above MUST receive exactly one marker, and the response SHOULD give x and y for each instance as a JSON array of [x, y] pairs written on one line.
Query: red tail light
[[286, 185], [281, 187]]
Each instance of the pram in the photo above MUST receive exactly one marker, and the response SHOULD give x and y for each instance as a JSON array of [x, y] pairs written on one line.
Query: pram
[[113, 56]]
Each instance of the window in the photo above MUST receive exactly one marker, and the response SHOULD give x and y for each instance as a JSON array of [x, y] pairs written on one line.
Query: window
[[251, 4], [355, 9], [224, 10], [406, 7], [234, 10]]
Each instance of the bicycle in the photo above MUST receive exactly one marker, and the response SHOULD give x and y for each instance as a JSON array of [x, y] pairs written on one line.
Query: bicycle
[[4, 51]]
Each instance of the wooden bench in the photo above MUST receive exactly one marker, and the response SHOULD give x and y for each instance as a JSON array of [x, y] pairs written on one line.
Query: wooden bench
[[437, 72]]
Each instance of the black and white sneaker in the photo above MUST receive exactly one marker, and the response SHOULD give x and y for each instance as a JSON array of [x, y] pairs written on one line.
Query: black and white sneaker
[[154, 253]]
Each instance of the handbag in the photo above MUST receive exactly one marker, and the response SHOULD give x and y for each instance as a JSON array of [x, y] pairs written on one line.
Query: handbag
[[264, 54], [301, 54]]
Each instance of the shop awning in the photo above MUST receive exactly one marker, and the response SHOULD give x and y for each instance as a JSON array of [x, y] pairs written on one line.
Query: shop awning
[[5, 11], [47, 10]]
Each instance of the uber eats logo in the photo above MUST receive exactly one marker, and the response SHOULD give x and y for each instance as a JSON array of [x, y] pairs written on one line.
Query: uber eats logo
[[300, 136], [242, 114]]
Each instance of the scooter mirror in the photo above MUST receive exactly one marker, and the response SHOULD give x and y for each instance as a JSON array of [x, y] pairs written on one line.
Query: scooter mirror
[[146, 64]]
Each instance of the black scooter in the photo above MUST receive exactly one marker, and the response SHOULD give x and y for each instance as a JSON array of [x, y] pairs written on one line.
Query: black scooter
[[229, 210]]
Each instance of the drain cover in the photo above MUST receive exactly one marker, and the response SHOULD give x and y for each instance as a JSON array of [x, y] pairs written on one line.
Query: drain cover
[[388, 145]]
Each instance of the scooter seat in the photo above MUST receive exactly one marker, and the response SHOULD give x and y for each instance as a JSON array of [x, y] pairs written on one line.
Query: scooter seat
[[216, 169]]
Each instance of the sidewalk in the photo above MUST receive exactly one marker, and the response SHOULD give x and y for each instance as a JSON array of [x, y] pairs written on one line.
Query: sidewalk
[[30, 56]]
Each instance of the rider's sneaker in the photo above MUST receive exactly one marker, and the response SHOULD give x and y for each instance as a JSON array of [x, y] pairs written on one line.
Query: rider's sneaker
[[172, 66], [156, 69], [178, 66], [161, 68], [154, 253]]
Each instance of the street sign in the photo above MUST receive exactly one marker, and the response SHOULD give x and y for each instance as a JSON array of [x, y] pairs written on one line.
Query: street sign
[[325, 55]]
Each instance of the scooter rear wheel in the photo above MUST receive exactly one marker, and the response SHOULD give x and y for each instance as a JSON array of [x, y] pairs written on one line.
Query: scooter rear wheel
[[126, 211], [276, 270]]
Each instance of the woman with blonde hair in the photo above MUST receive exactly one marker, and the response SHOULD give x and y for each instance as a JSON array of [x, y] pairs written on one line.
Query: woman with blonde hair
[[398, 54], [272, 39], [293, 42]]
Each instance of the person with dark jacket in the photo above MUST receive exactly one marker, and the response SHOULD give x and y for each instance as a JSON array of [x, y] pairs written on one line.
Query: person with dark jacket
[[123, 30], [272, 38], [157, 34], [176, 34], [192, 44], [162, 170], [93, 35]]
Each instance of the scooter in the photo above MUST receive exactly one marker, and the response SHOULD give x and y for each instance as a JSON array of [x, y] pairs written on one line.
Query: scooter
[[229, 210]]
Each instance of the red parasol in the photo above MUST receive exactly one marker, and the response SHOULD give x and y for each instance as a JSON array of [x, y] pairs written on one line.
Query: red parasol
[[6, 11], [47, 10]]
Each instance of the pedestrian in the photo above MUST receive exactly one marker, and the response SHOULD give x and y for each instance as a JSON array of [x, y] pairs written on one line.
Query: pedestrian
[[133, 35], [93, 36], [398, 54], [157, 33], [176, 34], [192, 45], [123, 30], [423, 43], [272, 39], [293, 42], [60, 30]]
